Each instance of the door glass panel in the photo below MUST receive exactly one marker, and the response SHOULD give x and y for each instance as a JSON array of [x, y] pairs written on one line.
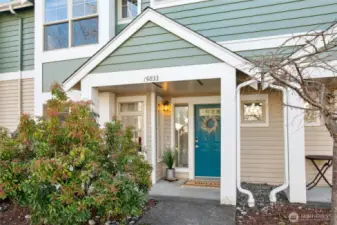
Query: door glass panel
[[181, 135]]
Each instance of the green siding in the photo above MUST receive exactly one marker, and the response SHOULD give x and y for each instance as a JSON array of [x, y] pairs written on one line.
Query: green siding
[[59, 71], [144, 51], [10, 49], [223, 20]]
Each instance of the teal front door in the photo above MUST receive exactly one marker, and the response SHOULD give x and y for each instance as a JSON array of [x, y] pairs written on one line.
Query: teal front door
[[207, 140]]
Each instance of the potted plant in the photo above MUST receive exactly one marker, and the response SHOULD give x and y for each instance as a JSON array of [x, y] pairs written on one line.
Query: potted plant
[[169, 158]]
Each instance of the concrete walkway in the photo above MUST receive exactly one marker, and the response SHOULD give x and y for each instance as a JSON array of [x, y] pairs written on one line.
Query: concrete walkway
[[188, 213], [175, 190]]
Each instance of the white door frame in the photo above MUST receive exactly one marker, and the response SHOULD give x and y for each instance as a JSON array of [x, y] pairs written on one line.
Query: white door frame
[[191, 102]]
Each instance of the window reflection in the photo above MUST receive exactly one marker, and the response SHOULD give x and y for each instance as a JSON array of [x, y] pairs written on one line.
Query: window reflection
[[84, 7], [181, 135], [129, 8], [56, 36], [85, 31], [56, 10]]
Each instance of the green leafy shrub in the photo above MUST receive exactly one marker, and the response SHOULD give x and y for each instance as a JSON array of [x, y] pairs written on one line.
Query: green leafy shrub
[[72, 170], [13, 167]]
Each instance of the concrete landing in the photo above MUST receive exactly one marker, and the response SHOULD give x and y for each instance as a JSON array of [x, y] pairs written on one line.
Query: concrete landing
[[175, 190], [319, 194]]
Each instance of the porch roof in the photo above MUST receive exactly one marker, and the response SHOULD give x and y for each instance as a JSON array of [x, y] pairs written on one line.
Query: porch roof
[[150, 15]]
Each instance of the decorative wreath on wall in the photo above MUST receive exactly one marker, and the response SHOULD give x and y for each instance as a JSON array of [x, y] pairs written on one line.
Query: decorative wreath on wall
[[209, 124]]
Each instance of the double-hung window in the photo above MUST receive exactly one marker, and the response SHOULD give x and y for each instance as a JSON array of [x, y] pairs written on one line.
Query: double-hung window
[[70, 23]]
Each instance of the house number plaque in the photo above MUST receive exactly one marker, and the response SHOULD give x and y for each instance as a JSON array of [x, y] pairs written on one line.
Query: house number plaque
[[210, 112], [151, 78]]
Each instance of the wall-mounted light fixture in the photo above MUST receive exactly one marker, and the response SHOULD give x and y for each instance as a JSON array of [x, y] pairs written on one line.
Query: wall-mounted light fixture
[[165, 107]]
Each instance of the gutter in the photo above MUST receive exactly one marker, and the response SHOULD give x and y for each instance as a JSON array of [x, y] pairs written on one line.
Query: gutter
[[17, 4]]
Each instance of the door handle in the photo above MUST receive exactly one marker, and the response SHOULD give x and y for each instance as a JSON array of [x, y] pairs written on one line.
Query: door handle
[[196, 146]]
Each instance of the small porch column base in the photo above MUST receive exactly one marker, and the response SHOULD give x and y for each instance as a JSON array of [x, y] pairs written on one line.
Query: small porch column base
[[228, 137]]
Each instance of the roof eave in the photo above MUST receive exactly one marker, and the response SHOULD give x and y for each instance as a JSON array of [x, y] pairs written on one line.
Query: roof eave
[[18, 4]]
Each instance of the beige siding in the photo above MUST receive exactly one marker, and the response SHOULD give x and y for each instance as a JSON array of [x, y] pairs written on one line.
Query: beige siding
[[9, 104], [28, 96], [262, 149], [317, 142], [9, 101], [262, 155]]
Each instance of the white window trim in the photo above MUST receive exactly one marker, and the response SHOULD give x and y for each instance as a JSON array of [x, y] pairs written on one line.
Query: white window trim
[[169, 3], [139, 98], [260, 97], [119, 12], [70, 21]]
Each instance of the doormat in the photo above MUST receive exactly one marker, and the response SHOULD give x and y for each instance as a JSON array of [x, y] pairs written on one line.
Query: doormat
[[202, 183]]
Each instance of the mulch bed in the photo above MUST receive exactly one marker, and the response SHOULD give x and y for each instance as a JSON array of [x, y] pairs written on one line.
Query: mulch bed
[[282, 213], [11, 214]]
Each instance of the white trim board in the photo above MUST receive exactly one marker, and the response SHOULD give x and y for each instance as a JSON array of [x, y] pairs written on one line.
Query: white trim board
[[178, 73], [149, 14], [169, 3], [17, 75], [263, 42]]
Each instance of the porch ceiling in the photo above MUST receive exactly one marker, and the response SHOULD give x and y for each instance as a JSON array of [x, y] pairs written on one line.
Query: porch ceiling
[[172, 89]]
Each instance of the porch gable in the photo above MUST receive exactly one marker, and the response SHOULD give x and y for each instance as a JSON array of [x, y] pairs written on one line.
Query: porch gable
[[154, 47], [167, 30]]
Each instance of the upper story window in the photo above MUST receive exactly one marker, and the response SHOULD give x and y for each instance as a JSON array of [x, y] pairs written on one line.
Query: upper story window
[[70, 23], [127, 10]]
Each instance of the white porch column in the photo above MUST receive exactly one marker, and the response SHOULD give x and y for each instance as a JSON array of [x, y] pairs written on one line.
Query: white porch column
[[90, 93], [228, 137], [297, 172], [107, 107], [154, 136]]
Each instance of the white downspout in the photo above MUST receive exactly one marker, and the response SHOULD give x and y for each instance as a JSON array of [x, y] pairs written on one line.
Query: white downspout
[[273, 193], [251, 200]]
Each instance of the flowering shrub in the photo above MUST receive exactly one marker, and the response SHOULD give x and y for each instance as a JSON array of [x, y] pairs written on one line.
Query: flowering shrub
[[71, 170]]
